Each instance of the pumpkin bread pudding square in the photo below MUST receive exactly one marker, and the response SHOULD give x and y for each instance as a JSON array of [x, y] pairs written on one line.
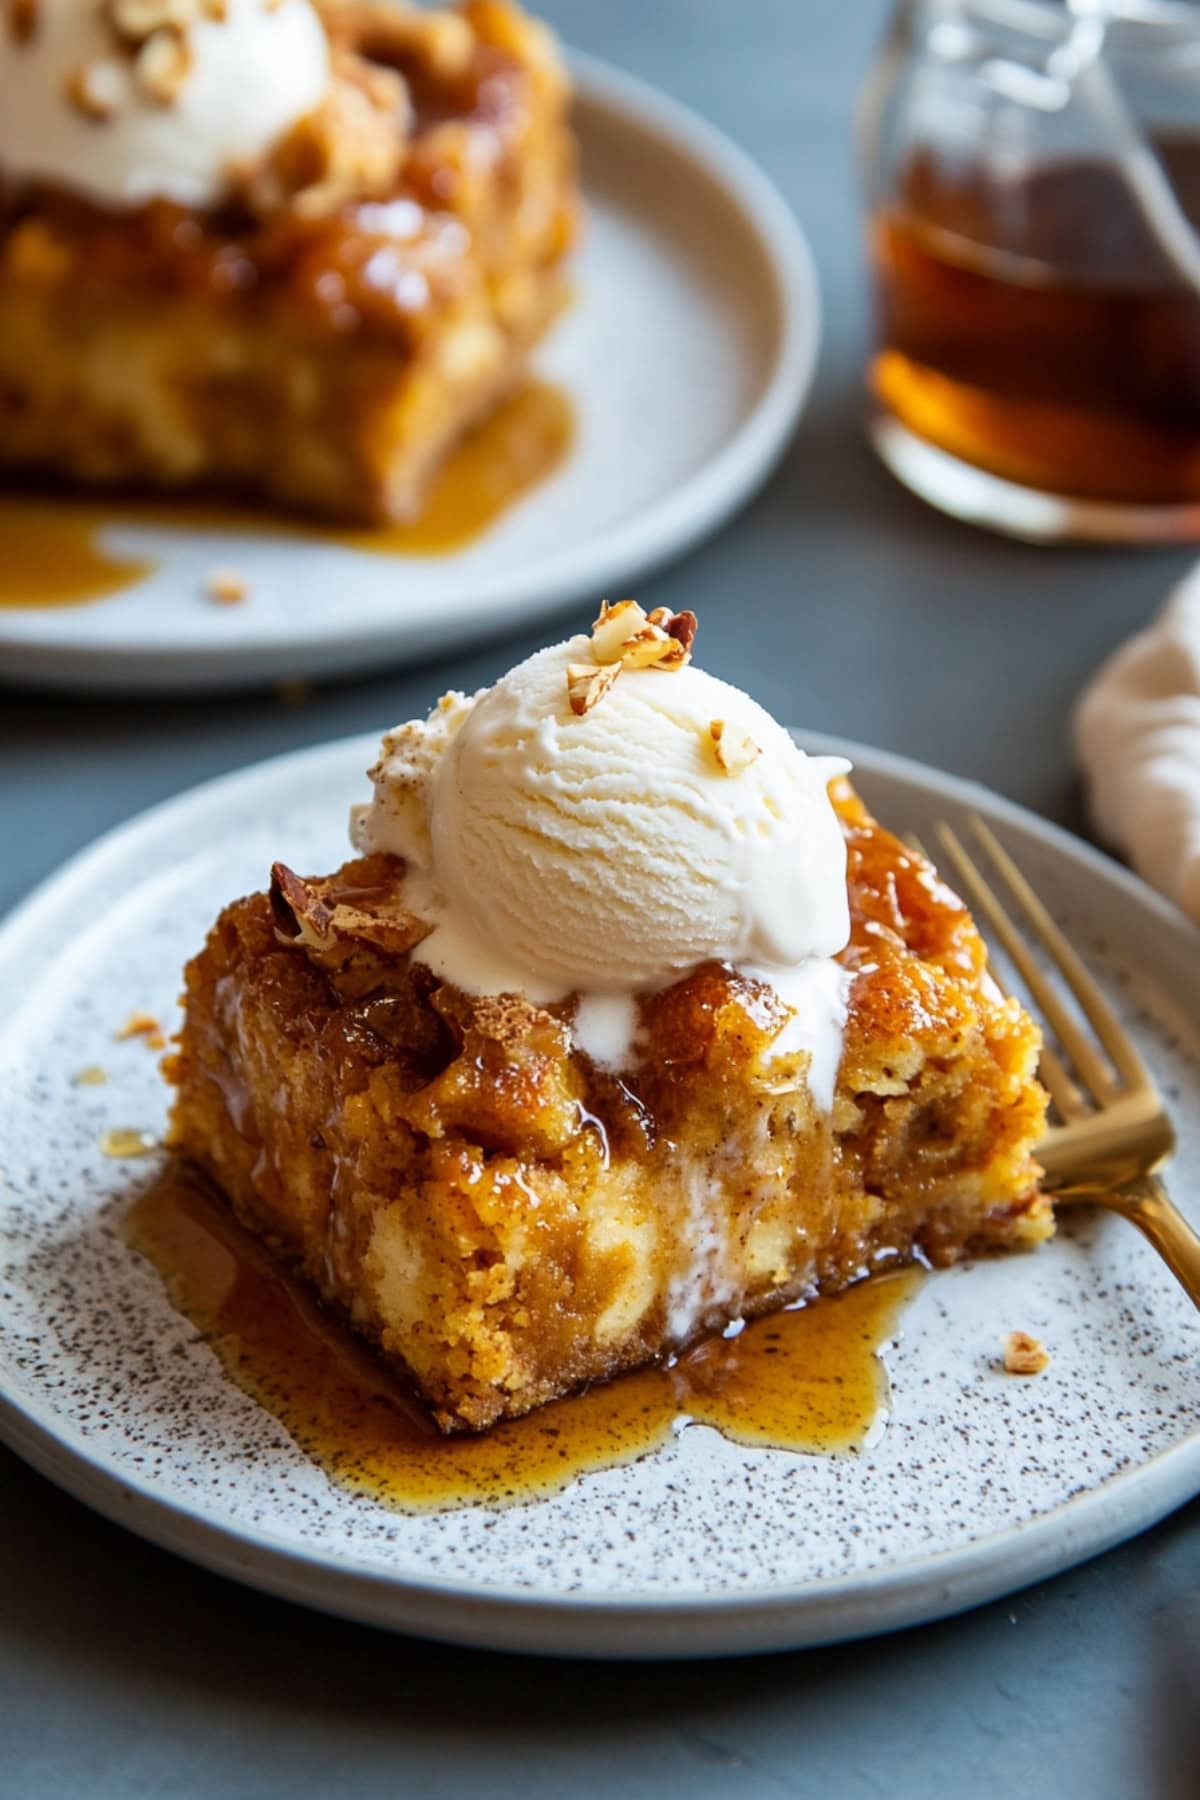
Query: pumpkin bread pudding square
[[314, 325], [512, 1191]]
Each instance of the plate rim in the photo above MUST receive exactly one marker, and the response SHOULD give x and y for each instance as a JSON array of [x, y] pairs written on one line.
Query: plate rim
[[617, 1623], [629, 550]]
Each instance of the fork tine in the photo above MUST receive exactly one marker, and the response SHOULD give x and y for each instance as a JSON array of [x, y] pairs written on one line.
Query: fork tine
[[1086, 990], [1052, 1073], [1090, 1065]]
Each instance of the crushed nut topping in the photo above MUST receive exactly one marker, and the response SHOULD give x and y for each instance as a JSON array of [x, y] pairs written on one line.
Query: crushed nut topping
[[301, 915], [163, 65], [136, 20], [614, 625], [353, 146], [587, 684], [681, 626], [22, 19], [733, 746], [1024, 1355], [92, 1076], [307, 913], [652, 648], [626, 635], [97, 89], [226, 587]]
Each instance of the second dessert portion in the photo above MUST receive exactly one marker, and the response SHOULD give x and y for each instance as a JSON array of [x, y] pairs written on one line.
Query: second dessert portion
[[278, 248], [628, 1022]]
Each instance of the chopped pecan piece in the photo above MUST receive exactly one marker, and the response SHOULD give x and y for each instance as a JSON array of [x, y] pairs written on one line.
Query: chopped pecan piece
[[733, 746], [300, 913], [354, 933], [624, 634], [651, 648], [587, 684], [97, 89], [613, 625], [682, 626], [163, 65], [136, 20]]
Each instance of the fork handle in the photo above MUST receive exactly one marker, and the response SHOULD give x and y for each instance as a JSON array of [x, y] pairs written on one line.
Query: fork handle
[[1145, 1204]]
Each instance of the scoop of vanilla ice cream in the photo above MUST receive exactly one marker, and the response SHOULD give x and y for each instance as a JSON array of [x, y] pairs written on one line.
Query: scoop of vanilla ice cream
[[609, 852], [249, 76]]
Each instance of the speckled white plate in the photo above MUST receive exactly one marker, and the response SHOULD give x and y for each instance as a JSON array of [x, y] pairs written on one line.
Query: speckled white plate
[[979, 1483], [687, 355]]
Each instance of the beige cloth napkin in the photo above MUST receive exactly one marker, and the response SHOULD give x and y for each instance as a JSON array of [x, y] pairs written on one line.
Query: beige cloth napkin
[[1137, 728]]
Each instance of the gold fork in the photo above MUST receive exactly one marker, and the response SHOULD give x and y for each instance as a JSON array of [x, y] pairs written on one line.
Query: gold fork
[[1113, 1133]]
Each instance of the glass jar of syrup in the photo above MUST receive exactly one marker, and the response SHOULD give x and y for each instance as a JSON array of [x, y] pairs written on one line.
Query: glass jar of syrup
[[1033, 175]]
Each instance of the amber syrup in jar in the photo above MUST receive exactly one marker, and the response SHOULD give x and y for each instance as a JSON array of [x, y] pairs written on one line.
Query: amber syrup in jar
[[1033, 326]]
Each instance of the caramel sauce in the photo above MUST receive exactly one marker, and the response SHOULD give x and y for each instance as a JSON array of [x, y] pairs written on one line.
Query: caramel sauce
[[807, 1380], [50, 554]]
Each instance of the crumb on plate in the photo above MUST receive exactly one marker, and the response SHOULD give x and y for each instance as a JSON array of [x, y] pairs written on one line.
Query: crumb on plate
[[138, 1024], [1024, 1354], [226, 587], [122, 1143]]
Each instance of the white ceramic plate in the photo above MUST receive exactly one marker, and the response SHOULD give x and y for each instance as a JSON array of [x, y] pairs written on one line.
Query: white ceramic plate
[[687, 356], [979, 1483]]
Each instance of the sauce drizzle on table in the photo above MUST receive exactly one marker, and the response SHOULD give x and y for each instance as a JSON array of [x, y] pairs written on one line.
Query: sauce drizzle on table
[[808, 1380], [52, 549]]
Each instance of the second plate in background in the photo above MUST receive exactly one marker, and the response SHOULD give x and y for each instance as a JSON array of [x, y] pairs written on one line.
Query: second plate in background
[[686, 358]]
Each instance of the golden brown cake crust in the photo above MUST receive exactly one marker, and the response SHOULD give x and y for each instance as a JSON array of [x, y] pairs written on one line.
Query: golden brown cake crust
[[326, 336], [505, 1221]]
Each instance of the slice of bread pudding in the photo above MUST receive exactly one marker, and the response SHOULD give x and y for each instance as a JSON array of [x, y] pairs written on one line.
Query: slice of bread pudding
[[324, 335], [505, 1220]]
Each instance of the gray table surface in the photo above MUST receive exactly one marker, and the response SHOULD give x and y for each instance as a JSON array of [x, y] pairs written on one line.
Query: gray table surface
[[846, 607]]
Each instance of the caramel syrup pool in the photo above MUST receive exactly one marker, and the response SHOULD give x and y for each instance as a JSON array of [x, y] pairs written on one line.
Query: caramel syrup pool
[[51, 553], [810, 1380]]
